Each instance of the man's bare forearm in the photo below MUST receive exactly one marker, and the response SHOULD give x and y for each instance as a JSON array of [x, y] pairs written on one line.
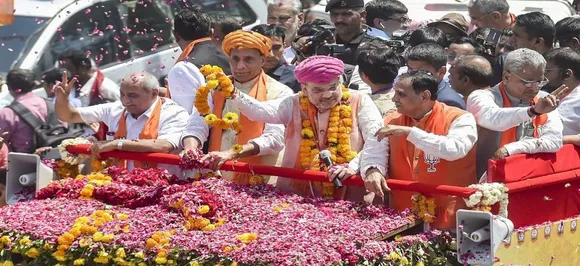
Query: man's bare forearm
[[66, 112]]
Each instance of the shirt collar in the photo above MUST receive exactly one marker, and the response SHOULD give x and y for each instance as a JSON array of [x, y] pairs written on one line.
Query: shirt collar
[[383, 90]]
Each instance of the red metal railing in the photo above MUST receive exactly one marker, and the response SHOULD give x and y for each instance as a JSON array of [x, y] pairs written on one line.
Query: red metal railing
[[173, 159]]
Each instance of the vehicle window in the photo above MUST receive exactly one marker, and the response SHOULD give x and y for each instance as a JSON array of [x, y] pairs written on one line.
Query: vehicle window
[[236, 8], [148, 24], [92, 30], [15, 39]]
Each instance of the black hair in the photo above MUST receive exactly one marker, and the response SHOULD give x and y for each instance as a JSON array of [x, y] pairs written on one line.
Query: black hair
[[480, 77], [383, 9], [429, 53], [379, 63], [53, 75], [3, 173], [77, 58], [568, 28], [227, 23], [428, 35], [192, 24], [538, 25], [565, 58], [422, 80], [465, 40], [20, 80], [320, 32], [270, 30]]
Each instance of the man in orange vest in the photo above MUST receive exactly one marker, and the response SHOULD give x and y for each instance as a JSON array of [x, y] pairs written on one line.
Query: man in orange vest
[[430, 142], [140, 122], [261, 141], [515, 116]]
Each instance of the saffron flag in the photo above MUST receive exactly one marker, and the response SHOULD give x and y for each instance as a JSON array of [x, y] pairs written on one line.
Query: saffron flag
[[6, 12]]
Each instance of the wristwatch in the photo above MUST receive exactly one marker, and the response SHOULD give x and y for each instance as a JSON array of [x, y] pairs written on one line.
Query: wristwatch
[[120, 145]]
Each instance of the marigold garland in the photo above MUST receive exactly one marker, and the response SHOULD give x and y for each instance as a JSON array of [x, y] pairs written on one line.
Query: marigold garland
[[424, 208], [216, 80], [338, 138], [95, 179]]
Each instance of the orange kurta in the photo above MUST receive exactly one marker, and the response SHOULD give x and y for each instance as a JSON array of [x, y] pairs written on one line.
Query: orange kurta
[[406, 162]]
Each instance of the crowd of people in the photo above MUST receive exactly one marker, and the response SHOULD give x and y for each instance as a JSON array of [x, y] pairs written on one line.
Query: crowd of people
[[434, 109]]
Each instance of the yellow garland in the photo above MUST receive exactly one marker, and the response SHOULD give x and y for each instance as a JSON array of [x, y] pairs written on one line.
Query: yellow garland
[[66, 170], [424, 208], [338, 137], [216, 79], [95, 179], [192, 223]]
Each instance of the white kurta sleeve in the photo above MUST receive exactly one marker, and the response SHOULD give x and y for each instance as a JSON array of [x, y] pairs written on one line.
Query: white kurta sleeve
[[272, 139], [196, 126], [481, 104], [277, 111], [172, 129], [550, 139], [184, 79], [97, 113], [460, 139], [356, 79], [374, 153]]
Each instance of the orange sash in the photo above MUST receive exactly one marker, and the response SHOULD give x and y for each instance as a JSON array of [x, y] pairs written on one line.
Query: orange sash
[[250, 129], [184, 54], [509, 135], [149, 131]]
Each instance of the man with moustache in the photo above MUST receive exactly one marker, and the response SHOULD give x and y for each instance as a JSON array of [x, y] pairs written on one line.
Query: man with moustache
[[286, 13], [347, 16]]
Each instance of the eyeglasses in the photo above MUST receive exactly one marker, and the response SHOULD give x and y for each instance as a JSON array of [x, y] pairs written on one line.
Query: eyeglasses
[[473, 20], [403, 20], [533, 83]]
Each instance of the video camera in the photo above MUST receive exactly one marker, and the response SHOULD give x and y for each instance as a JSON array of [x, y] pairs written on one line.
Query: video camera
[[399, 41]]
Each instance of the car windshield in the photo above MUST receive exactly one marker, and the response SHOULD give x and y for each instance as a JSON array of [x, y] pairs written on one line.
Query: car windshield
[[14, 39]]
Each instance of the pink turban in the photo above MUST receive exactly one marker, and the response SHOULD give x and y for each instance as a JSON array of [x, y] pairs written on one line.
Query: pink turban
[[319, 69]]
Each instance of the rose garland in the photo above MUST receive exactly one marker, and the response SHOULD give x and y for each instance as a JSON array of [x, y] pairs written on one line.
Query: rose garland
[[216, 80], [338, 137], [424, 208], [487, 195], [74, 159]]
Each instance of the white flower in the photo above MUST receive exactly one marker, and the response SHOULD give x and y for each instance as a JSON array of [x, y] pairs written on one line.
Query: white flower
[[69, 157], [488, 194]]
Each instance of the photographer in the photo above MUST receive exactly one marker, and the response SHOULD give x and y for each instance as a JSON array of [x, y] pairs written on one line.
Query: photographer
[[317, 38], [494, 49]]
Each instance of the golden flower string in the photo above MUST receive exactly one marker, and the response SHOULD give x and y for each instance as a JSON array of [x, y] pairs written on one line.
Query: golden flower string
[[99, 165], [338, 137], [216, 80], [66, 170], [424, 208], [95, 179]]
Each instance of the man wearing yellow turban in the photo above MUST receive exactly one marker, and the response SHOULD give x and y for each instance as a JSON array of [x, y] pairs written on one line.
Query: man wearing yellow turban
[[261, 142]]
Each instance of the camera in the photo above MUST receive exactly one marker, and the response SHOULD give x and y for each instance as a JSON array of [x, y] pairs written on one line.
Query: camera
[[399, 41], [331, 49]]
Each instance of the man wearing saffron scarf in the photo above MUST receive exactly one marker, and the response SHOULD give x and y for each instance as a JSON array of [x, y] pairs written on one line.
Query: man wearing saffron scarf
[[261, 141], [192, 32], [515, 116], [325, 116], [430, 142], [140, 122]]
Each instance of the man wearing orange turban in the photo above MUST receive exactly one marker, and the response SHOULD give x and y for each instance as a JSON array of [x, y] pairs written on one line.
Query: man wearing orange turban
[[261, 142]]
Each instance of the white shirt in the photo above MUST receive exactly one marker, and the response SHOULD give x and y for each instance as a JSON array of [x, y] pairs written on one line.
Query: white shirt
[[488, 114], [569, 110], [289, 55], [460, 139], [184, 79], [280, 111], [355, 78], [110, 90], [272, 139], [172, 122]]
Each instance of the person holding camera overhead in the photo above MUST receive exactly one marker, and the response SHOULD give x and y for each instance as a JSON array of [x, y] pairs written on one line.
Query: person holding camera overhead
[[347, 16]]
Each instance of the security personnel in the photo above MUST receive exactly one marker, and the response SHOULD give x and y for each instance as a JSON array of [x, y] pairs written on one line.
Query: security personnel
[[347, 17]]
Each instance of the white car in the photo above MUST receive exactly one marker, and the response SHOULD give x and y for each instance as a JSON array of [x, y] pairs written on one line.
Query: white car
[[435, 9], [120, 36]]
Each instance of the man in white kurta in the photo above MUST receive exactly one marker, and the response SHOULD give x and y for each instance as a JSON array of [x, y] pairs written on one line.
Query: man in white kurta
[[139, 108], [247, 52], [515, 117], [563, 69], [320, 79]]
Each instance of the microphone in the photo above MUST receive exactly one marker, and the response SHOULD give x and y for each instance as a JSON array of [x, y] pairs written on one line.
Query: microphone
[[325, 155]]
